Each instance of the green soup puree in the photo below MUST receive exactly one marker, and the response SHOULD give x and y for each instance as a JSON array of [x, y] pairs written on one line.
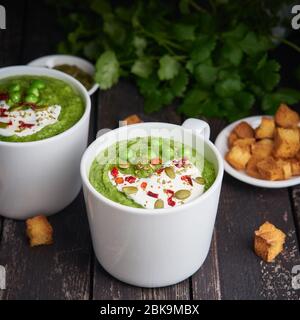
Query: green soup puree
[[151, 173], [35, 108]]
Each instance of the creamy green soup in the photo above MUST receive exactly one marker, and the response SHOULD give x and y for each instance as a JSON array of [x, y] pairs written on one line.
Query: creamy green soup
[[36, 107], [151, 173]]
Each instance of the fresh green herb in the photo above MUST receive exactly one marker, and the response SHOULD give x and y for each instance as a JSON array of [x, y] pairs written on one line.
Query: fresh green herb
[[214, 57]]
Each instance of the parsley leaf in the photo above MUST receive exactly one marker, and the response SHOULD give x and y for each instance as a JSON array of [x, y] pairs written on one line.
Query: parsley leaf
[[228, 87], [202, 48], [179, 83], [193, 99], [107, 70], [206, 75], [271, 101], [142, 67], [168, 67]]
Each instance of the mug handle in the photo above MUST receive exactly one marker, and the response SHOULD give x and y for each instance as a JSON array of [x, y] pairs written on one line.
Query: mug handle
[[199, 126], [101, 132]]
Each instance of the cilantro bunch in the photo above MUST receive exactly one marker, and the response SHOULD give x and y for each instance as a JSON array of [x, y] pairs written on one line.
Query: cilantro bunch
[[211, 59]]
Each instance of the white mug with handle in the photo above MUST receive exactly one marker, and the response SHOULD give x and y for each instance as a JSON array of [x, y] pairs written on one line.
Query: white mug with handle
[[147, 247]]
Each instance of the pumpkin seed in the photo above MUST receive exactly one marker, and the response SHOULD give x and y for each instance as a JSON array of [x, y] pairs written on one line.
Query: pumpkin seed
[[182, 194], [124, 165], [200, 180], [159, 204], [170, 172], [130, 190]]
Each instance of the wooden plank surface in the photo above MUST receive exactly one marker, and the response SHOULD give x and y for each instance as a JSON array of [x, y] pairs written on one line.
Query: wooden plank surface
[[62, 270]]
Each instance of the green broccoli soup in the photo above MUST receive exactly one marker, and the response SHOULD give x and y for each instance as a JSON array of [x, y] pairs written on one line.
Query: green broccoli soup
[[151, 173], [35, 108]]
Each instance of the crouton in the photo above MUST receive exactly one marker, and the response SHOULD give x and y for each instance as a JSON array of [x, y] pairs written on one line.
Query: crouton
[[39, 231], [132, 119], [262, 148], [286, 117], [286, 168], [269, 169], [295, 165], [266, 128], [244, 130], [286, 143], [244, 142], [297, 156], [251, 168], [238, 157], [268, 241], [231, 138]]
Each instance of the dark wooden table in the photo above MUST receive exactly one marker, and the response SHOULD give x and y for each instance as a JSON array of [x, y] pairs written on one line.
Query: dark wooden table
[[68, 268]]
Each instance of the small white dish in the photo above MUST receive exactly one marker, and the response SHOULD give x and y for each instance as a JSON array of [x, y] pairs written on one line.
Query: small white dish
[[221, 144], [56, 59]]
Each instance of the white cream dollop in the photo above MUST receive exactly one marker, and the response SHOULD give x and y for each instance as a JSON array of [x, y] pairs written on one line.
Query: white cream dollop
[[160, 183], [36, 119]]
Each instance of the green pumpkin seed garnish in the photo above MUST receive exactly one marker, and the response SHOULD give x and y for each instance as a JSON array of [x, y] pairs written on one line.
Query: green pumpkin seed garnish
[[130, 190], [200, 180], [124, 165], [182, 194], [3, 125], [159, 204], [170, 172]]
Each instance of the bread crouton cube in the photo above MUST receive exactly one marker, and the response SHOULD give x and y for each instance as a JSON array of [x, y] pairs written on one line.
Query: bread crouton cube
[[132, 119], [231, 138], [286, 143], [266, 129], [286, 117], [247, 142], [295, 165], [269, 169], [262, 148], [238, 157], [251, 168], [39, 231], [286, 168], [268, 241], [244, 130]]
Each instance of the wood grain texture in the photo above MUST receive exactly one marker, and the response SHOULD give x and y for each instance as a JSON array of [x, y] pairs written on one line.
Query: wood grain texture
[[62, 270], [243, 208], [58, 271], [116, 104]]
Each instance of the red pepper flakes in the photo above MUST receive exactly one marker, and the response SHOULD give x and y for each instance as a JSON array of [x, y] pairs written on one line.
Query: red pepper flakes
[[144, 185], [155, 161], [152, 194], [187, 179], [4, 96], [169, 192], [2, 113], [171, 202], [23, 125], [114, 172], [159, 171], [130, 179], [119, 180]]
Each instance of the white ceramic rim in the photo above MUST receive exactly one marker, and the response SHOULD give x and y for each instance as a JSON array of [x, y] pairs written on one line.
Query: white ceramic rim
[[240, 175], [42, 62], [164, 211], [57, 75]]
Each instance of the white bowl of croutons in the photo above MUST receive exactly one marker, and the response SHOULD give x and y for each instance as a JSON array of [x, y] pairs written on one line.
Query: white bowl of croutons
[[263, 151]]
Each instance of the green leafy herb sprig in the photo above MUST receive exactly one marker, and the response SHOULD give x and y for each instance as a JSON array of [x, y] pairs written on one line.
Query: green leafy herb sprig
[[214, 59]]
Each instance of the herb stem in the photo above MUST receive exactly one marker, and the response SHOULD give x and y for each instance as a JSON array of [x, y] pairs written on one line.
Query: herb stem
[[288, 43], [197, 7]]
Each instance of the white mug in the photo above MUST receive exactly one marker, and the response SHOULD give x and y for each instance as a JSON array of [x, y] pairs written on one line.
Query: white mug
[[42, 177], [151, 247]]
